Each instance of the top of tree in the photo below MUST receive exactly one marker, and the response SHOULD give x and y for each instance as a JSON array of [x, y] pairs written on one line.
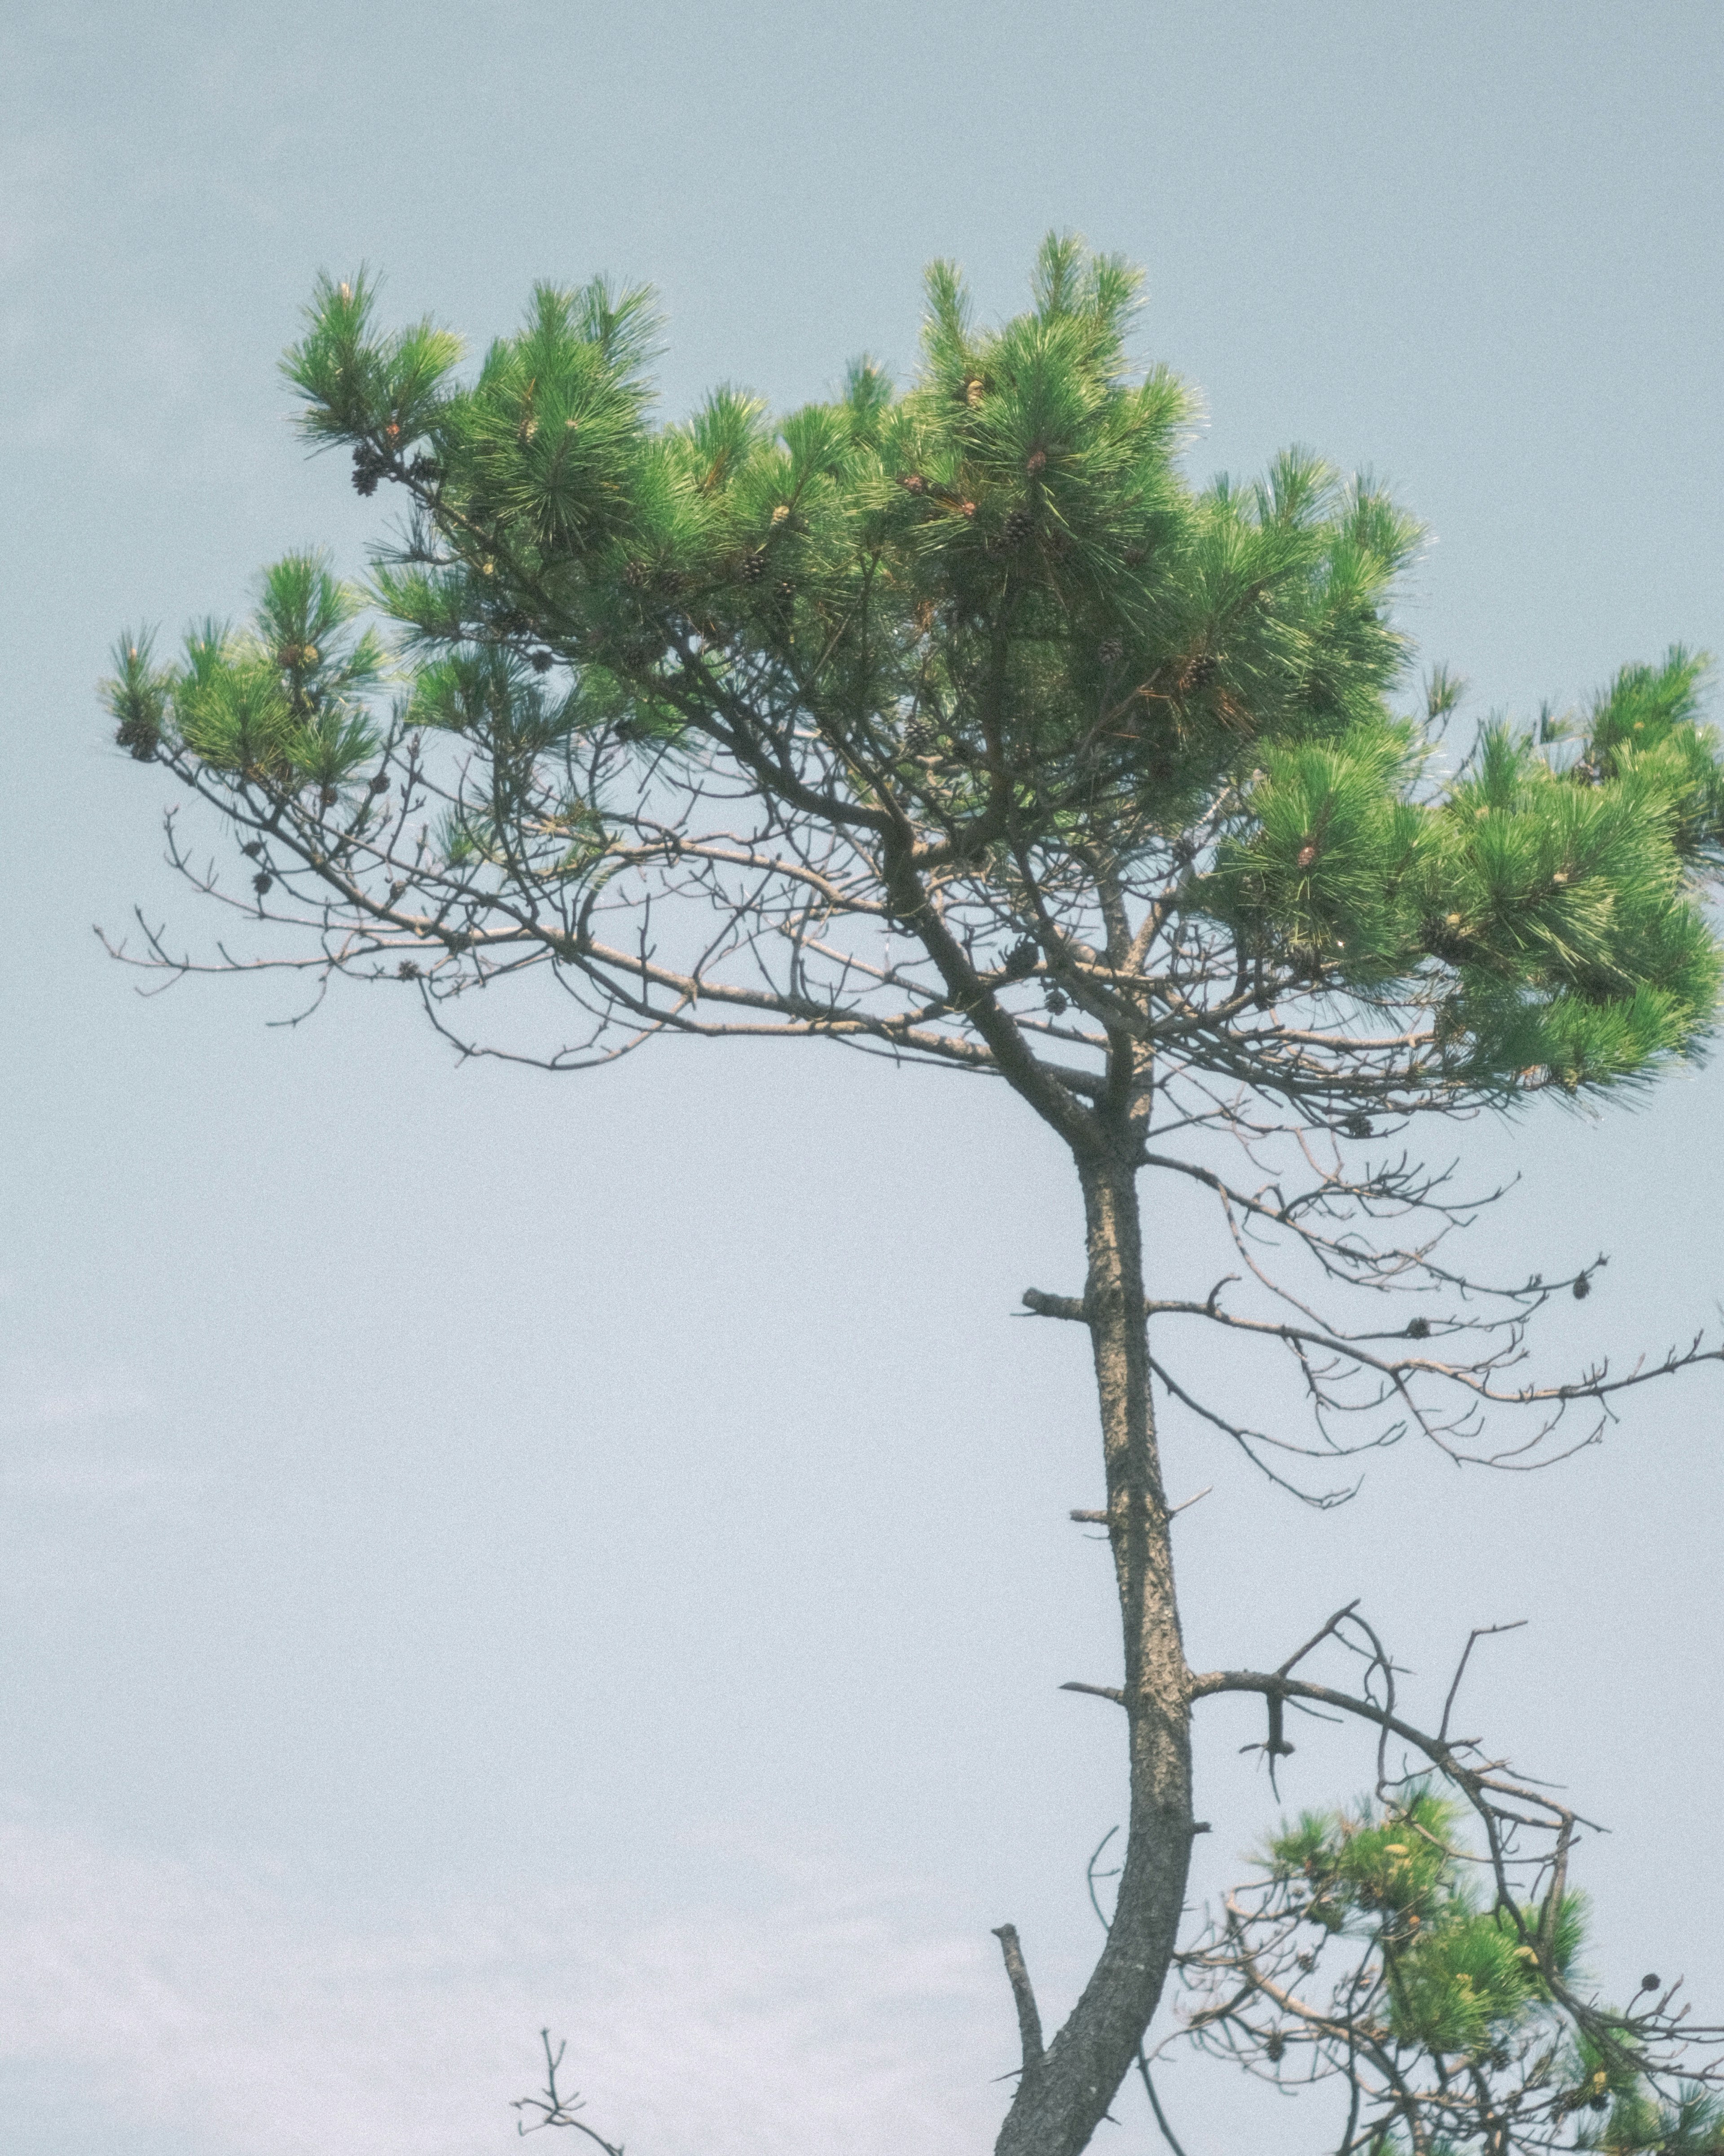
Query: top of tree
[[972, 658]]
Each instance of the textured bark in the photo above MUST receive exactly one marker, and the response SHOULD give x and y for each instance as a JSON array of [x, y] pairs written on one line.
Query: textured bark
[[1061, 2101]]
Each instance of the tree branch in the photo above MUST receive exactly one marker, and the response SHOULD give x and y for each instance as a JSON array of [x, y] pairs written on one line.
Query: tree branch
[[1030, 2020]]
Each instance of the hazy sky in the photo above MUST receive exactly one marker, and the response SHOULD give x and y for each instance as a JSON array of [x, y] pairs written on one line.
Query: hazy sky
[[479, 1550]]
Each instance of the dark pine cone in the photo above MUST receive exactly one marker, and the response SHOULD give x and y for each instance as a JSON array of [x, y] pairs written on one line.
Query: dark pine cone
[[424, 470], [754, 566], [368, 468], [1055, 1001], [1111, 651], [1202, 671], [918, 737], [1018, 526], [1418, 1328], [1358, 1126], [541, 662], [328, 796], [380, 784], [261, 882], [1021, 959]]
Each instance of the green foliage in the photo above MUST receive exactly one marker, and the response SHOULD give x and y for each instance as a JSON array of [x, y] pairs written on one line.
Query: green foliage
[[280, 703], [1637, 2124], [1462, 1976], [1455, 2001]]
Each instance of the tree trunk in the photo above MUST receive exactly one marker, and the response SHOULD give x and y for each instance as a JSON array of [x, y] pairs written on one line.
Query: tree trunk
[[1063, 2097]]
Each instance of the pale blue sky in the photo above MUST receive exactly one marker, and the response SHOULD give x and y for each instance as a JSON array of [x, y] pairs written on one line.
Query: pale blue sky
[[478, 1549]]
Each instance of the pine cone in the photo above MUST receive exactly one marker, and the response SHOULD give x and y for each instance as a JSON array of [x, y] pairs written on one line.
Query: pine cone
[[541, 662], [1021, 959], [1111, 651], [368, 468], [754, 566], [918, 737], [327, 797], [1018, 526], [261, 882], [380, 784], [140, 734]]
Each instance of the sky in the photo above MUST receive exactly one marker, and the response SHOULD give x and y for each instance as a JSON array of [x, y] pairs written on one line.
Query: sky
[[480, 1551]]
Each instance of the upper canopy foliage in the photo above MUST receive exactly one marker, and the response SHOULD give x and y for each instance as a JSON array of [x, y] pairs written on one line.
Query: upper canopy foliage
[[984, 631]]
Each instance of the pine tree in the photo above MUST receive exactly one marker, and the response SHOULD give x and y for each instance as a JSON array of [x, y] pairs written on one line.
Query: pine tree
[[953, 724]]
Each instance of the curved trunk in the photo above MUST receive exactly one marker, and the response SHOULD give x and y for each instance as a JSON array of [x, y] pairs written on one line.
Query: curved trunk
[[1063, 2095]]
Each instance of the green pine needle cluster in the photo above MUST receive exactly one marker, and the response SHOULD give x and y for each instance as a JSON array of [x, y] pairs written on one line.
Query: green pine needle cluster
[[282, 702], [1462, 1976], [1452, 1998]]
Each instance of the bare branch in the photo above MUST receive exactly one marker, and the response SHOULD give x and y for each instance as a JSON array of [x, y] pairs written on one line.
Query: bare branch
[[1030, 2020]]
